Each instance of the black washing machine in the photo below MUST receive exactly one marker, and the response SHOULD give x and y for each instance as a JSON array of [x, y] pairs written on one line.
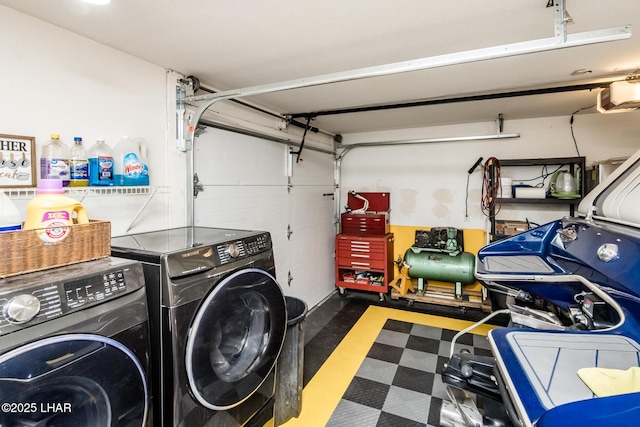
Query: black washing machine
[[218, 321], [74, 347]]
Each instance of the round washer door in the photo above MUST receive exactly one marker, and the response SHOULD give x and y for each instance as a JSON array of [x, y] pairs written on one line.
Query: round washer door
[[235, 338], [72, 380]]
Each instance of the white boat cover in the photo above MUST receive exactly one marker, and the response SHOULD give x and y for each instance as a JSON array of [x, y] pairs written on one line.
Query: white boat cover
[[617, 198]]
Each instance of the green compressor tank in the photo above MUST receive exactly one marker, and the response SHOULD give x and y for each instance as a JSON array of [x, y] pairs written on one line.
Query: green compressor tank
[[436, 265]]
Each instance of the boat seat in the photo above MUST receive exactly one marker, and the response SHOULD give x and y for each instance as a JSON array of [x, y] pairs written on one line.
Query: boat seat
[[539, 368]]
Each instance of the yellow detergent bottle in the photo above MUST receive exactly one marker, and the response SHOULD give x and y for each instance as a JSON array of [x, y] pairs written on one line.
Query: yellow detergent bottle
[[51, 213]]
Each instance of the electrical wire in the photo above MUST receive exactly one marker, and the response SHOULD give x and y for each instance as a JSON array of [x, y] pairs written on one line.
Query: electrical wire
[[575, 143], [469, 172], [544, 174], [466, 199], [304, 136], [491, 202]]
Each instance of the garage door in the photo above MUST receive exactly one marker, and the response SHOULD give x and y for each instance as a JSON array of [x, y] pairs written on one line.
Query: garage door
[[246, 186]]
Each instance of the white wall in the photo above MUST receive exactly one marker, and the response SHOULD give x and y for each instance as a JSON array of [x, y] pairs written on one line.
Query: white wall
[[53, 81], [427, 182]]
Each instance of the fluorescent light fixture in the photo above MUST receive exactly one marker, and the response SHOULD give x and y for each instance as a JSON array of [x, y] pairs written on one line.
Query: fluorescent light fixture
[[619, 97], [98, 2]]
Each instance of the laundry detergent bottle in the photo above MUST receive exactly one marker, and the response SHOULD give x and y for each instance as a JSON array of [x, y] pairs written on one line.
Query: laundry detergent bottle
[[51, 213], [129, 164]]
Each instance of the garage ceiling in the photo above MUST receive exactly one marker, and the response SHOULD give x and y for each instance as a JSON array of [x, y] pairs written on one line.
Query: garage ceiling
[[230, 44]]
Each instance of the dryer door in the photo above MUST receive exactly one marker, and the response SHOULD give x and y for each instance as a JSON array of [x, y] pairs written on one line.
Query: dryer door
[[72, 380], [235, 338]]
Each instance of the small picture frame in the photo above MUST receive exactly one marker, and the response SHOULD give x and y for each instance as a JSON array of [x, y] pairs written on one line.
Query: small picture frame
[[17, 161]]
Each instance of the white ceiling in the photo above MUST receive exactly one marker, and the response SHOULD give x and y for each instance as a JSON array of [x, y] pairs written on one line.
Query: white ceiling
[[230, 44]]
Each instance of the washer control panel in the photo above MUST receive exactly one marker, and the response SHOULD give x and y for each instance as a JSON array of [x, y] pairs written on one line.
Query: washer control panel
[[94, 289], [34, 298], [241, 248]]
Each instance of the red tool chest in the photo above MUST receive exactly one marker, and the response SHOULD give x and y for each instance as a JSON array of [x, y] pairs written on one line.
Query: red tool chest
[[375, 220], [364, 262], [365, 223]]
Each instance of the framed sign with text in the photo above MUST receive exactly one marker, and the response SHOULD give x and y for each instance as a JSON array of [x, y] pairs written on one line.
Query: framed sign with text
[[17, 161]]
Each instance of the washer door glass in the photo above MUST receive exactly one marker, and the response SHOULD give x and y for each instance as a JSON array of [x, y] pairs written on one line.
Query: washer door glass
[[235, 339], [72, 380]]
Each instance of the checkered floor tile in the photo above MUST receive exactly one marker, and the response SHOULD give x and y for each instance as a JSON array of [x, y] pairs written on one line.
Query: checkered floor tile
[[399, 383]]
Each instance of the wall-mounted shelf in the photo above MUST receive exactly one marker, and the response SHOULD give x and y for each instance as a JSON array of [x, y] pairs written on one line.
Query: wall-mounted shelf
[[573, 163], [545, 201], [82, 192], [29, 193]]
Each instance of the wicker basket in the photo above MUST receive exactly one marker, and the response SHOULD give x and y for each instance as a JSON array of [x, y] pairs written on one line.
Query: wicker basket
[[22, 251]]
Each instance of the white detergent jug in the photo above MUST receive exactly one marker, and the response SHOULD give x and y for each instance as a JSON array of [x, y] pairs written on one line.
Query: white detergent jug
[[129, 164]]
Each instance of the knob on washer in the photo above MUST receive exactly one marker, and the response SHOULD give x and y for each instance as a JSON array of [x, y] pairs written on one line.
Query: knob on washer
[[22, 308], [233, 250]]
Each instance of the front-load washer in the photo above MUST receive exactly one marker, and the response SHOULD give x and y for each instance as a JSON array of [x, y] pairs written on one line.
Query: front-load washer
[[74, 346], [218, 320]]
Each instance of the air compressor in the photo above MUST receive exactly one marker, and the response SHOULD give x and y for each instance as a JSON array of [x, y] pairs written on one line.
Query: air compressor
[[443, 261]]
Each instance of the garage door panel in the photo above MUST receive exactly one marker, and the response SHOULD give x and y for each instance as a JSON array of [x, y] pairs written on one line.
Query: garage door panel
[[311, 247], [225, 158], [245, 207], [312, 169], [311, 204], [246, 187]]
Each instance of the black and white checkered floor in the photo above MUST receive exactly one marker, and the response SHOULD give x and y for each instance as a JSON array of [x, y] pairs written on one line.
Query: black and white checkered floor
[[398, 383], [378, 366]]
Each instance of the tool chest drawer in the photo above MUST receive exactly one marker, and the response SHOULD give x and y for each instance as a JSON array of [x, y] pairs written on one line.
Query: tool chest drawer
[[360, 263], [364, 262], [376, 224], [348, 247]]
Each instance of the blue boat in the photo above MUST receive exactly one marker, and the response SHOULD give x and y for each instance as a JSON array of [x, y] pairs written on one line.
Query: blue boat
[[572, 290]]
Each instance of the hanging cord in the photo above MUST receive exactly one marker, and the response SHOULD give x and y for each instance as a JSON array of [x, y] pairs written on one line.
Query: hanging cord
[[491, 202], [575, 143], [466, 199], [304, 136], [544, 174]]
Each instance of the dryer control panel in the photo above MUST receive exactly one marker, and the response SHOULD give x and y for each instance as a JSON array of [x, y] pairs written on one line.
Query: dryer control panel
[[206, 257], [241, 248], [33, 298]]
